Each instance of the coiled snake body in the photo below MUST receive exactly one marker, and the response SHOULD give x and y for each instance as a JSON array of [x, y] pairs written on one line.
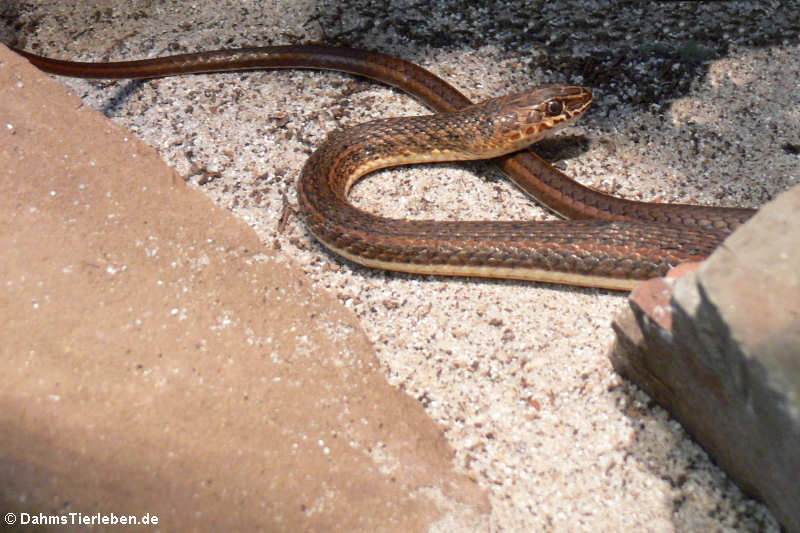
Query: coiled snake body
[[618, 243]]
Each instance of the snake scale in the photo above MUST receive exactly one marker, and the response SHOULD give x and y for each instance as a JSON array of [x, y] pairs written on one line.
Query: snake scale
[[611, 242]]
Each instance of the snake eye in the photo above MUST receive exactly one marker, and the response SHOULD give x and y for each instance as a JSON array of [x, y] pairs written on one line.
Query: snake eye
[[554, 107]]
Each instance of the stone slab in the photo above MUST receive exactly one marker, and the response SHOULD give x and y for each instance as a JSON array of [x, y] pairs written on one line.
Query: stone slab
[[719, 347], [157, 358]]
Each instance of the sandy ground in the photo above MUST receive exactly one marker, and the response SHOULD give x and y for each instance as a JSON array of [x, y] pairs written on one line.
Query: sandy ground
[[693, 104]]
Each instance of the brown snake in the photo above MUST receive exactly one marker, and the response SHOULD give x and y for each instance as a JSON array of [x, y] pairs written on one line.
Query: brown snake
[[617, 243]]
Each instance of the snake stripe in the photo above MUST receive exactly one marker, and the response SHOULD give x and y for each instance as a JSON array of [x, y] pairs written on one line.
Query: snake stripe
[[630, 241]]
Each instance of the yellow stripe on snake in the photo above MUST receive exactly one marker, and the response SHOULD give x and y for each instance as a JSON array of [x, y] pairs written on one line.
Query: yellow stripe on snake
[[613, 244]]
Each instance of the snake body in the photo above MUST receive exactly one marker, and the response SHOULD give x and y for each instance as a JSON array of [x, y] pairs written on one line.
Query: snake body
[[614, 244]]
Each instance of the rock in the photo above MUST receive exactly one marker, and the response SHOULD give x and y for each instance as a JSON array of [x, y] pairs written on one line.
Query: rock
[[719, 347], [159, 359]]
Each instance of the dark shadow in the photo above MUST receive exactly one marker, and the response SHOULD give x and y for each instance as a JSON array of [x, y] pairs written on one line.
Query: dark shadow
[[662, 446], [594, 44], [122, 91], [563, 147]]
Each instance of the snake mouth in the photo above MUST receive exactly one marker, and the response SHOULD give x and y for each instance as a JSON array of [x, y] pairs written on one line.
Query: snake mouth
[[577, 101], [568, 104]]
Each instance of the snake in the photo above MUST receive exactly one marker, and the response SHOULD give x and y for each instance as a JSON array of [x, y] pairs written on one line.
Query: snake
[[607, 242]]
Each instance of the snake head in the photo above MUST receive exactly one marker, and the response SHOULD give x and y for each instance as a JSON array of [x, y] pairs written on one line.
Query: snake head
[[525, 118]]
